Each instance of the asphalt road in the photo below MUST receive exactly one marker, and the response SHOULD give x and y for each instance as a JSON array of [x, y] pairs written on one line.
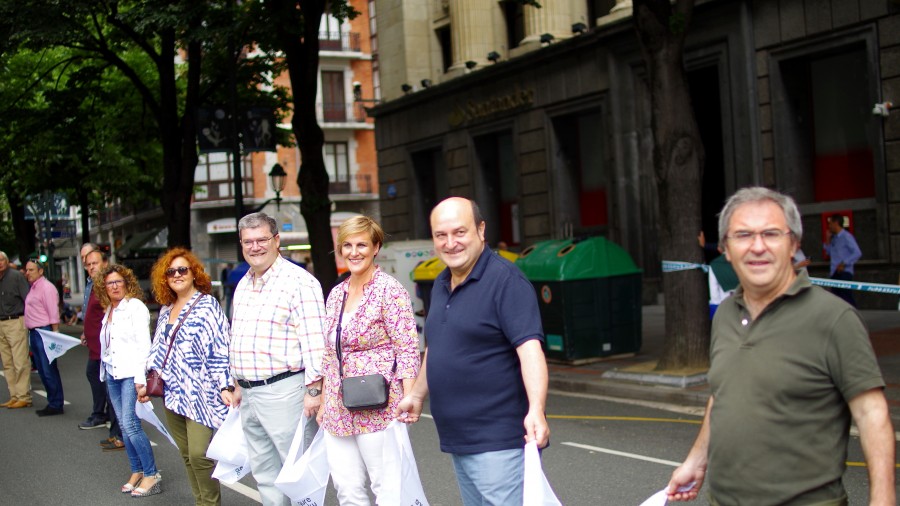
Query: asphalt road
[[601, 453]]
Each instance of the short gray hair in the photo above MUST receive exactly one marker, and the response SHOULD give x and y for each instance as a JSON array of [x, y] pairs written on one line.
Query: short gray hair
[[761, 194], [256, 220], [3, 255]]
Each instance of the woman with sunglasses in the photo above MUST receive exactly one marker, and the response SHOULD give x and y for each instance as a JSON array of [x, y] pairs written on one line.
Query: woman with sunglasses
[[190, 352], [124, 347]]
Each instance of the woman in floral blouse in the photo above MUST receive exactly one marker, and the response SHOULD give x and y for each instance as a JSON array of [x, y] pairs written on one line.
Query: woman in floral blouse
[[197, 368], [377, 329]]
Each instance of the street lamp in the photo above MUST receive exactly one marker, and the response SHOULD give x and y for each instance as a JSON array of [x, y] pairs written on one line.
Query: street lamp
[[278, 178]]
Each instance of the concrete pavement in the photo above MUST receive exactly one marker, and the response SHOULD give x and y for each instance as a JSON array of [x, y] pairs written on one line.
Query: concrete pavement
[[631, 378]]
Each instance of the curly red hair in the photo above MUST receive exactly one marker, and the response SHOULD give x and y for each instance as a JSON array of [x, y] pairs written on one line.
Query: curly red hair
[[159, 284]]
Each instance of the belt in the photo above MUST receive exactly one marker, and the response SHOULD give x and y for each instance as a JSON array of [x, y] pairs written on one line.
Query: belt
[[274, 379], [15, 317]]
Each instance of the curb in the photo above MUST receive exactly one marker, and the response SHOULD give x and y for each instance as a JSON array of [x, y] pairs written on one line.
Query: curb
[[622, 390]]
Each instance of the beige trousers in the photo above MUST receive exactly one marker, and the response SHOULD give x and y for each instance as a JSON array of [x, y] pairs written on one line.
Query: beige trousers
[[14, 354]]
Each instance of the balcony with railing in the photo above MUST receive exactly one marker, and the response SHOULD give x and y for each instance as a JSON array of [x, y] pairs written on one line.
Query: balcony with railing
[[358, 183], [340, 112], [339, 41]]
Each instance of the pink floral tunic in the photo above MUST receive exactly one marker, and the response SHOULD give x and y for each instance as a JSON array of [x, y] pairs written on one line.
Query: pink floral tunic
[[382, 328]]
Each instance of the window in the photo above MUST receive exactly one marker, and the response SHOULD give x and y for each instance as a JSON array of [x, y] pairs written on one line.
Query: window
[[582, 172], [515, 23], [212, 177], [497, 187], [431, 186], [330, 33], [337, 163], [443, 36], [335, 105]]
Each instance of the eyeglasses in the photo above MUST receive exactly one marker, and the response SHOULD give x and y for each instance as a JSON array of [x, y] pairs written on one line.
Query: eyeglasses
[[170, 272], [114, 283], [770, 237], [248, 243]]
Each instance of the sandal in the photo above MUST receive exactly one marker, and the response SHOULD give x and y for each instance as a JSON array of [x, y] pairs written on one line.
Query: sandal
[[144, 491], [132, 482]]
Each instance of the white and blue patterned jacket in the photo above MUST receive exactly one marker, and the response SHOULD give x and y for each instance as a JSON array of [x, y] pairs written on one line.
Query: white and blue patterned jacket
[[197, 369]]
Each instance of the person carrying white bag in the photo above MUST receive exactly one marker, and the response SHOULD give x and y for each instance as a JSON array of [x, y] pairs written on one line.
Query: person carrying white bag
[[371, 360], [229, 448], [304, 476]]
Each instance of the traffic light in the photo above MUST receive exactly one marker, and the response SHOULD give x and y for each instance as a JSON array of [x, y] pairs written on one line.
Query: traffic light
[[43, 258]]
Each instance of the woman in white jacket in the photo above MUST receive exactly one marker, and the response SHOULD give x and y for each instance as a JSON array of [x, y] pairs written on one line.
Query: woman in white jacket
[[124, 348]]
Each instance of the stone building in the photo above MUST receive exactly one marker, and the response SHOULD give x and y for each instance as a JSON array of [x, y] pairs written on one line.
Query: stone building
[[542, 116]]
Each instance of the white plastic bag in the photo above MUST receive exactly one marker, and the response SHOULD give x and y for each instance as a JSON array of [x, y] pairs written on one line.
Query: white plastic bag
[[662, 497], [229, 448], [537, 489], [400, 483], [304, 477]]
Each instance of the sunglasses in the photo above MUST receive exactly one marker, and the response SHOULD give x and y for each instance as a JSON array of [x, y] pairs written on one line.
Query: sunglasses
[[170, 272]]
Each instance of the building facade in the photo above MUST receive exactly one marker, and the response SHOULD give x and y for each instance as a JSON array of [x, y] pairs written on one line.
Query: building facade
[[544, 119]]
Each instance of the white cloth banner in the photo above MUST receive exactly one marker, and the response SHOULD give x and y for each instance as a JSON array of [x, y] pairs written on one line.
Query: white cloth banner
[[400, 483], [57, 344], [229, 448], [537, 489], [304, 478], [144, 411]]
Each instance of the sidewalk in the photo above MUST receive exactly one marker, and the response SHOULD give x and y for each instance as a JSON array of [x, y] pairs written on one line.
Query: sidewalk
[[884, 330]]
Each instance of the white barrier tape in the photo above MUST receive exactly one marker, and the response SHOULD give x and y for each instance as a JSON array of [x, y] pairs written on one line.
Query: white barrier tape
[[672, 266], [857, 285]]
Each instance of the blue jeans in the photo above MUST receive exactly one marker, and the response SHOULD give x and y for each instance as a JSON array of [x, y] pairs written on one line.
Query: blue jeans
[[491, 478], [137, 444], [49, 372]]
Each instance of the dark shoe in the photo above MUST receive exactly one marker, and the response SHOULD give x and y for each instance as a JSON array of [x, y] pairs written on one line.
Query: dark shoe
[[116, 445], [107, 441], [48, 411], [91, 423], [19, 404]]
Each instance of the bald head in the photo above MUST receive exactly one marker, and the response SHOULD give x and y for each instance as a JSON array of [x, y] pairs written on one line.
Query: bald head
[[457, 230]]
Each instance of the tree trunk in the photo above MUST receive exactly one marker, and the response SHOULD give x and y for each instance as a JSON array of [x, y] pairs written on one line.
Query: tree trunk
[[678, 158], [178, 140], [23, 229], [302, 57]]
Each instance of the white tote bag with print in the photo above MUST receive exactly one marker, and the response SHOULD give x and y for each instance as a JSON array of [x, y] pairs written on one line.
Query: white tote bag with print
[[400, 483], [537, 489], [304, 477], [229, 448]]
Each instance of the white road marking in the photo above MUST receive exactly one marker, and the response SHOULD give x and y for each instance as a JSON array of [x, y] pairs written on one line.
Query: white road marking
[[44, 395], [674, 408], [244, 490], [623, 454]]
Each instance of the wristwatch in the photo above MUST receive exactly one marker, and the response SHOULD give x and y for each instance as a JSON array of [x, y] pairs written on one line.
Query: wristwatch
[[230, 388], [313, 392]]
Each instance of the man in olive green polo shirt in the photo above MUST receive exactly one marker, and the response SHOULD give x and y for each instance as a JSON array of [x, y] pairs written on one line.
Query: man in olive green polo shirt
[[790, 364]]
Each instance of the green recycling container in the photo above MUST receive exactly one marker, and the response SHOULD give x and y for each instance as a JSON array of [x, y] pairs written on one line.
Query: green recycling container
[[589, 294]]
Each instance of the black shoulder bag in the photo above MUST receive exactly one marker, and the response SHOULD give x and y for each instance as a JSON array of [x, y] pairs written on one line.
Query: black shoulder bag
[[360, 393]]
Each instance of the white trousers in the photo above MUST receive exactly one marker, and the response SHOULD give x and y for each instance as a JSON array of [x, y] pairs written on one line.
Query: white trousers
[[350, 459]]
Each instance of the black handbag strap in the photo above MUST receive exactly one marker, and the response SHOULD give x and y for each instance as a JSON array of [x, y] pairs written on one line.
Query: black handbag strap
[[337, 342], [175, 330]]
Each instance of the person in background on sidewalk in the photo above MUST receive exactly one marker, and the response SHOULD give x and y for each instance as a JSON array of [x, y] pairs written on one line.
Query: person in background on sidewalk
[[42, 312], [789, 366], [844, 253], [95, 262], [190, 352], [14, 335], [124, 348], [484, 366], [277, 342]]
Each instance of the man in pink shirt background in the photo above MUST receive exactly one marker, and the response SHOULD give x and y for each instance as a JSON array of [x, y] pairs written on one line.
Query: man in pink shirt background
[[42, 312]]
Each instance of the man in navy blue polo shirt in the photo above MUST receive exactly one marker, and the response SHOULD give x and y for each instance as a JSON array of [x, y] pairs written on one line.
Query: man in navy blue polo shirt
[[486, 372]]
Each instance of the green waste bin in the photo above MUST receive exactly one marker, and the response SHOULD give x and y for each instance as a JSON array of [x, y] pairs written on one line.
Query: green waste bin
[[589, 294]]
